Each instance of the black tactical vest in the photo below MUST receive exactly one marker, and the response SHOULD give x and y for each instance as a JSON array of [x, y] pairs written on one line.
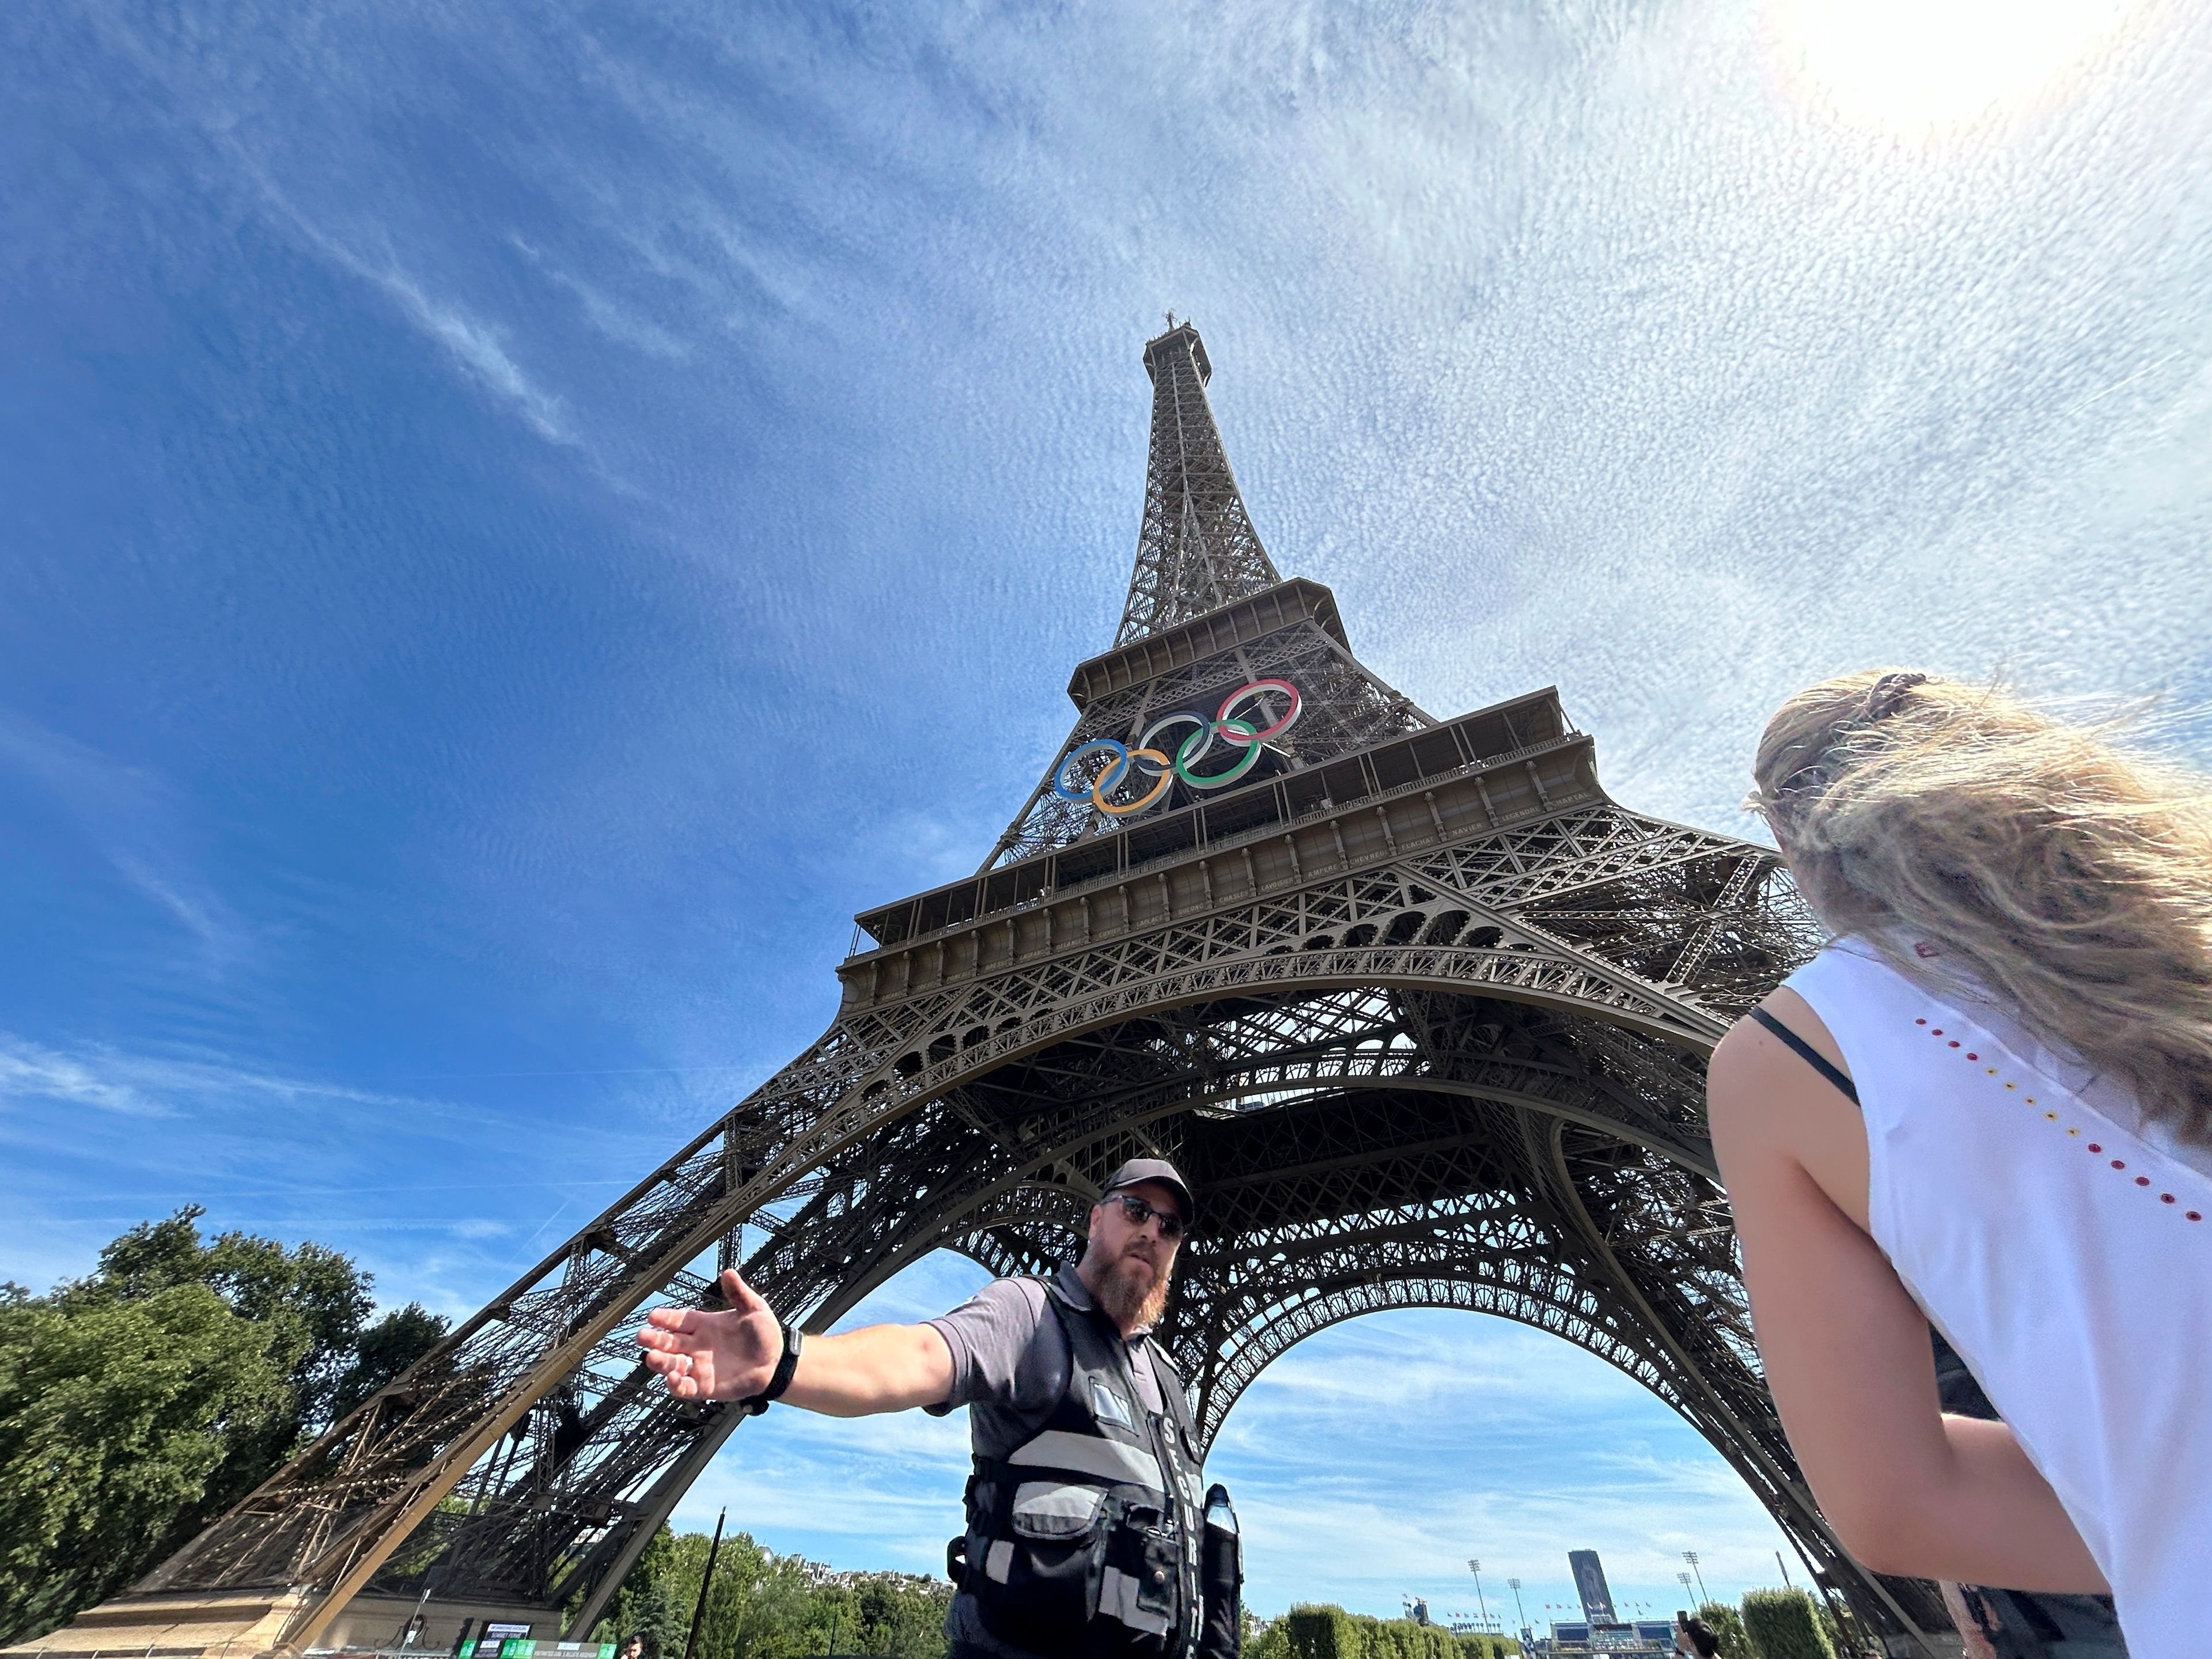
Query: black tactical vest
[[1084, 1540]]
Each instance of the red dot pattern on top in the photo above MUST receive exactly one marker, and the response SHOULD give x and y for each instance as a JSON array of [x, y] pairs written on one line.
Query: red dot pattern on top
[[2118, 1163]]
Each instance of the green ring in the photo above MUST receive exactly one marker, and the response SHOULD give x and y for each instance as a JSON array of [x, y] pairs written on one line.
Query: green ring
[[1218, 780]]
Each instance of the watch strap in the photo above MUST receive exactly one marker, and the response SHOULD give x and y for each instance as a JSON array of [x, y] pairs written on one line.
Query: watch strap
[[786, 1368]]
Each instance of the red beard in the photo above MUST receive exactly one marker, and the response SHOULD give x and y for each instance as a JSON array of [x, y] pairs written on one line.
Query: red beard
[[1133, 1292]]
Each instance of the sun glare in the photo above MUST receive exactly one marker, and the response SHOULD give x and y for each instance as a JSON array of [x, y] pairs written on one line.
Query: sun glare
[[1922, 64]]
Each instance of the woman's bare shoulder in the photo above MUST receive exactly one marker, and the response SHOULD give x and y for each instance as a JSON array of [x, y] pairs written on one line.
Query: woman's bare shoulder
[[1770, 1107]]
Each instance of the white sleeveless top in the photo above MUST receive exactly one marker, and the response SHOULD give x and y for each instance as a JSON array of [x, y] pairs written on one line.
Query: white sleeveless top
[[2064, 1252]]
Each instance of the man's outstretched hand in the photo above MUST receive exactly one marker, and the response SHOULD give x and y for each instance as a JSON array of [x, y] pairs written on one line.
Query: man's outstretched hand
[[733, 1356], [715, 1356]]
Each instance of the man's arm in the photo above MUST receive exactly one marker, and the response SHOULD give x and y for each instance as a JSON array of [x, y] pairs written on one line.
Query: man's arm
[[732, 1355]]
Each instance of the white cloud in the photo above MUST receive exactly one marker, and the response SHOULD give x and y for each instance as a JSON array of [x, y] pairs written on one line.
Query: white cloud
[[154, 1085], [138, 824], [474, 344], [29, 1071]]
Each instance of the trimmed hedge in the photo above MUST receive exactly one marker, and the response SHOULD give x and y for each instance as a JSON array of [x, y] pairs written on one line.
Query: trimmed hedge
[[1725, 1622], [1783, 1624], [1323, 1633], [1330, 1632]]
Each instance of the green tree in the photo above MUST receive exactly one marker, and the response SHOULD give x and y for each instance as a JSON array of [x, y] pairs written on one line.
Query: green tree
[[765, 1606], [646, 1605], [1324, 1632], [384, 1350], [902, 1614], [115, 1417], [138, 1402]]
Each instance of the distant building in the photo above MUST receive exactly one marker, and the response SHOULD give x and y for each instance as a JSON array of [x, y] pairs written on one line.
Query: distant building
[[1590, 1584]]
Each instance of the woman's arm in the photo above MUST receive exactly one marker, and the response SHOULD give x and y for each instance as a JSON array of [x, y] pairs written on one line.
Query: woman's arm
[[1847, 1349], [731, 1355]]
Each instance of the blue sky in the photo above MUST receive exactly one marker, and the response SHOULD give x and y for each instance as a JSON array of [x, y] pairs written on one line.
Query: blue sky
[[519, 520]]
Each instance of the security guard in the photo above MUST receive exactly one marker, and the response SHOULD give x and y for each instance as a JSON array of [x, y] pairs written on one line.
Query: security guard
[[1086, 1535]]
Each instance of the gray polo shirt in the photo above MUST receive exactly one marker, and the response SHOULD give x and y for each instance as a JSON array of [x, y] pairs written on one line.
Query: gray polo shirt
[[1009, 1362]]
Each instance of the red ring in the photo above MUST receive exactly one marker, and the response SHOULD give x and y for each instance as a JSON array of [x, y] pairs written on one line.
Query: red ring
[[1297, 707]]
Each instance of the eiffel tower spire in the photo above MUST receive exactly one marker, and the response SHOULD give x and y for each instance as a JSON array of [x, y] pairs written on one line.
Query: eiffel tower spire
[[1197, 550], [1208, 612]]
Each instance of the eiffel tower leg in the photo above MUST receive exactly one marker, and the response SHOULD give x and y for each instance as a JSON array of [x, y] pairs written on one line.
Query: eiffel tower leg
[[605, 1574], [531, 1533]]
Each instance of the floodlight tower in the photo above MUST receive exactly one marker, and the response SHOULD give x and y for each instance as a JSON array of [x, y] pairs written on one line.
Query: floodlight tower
[[1474, 1566], [1515, 1585], [1691, 1556]]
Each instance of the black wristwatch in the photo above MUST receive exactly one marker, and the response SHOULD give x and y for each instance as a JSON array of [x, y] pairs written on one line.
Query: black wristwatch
[[785, 1369]]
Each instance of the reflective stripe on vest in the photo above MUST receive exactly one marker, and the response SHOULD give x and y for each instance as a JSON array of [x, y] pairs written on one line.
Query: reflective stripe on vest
[[1117, 1599], [1093, 1455]]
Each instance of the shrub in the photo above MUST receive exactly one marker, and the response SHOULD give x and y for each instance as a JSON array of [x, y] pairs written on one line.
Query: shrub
[[1330, 1632], [1725, 1622], [1783, 1624], [1324, 1632]]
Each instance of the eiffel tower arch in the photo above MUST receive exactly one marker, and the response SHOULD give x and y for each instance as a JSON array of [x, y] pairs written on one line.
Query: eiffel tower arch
[[1421, 1009]]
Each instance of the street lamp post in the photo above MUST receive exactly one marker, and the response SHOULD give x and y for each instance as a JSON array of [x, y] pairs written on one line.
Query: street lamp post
[[1518, 1608], [1691, 1556], [1474, 1566]]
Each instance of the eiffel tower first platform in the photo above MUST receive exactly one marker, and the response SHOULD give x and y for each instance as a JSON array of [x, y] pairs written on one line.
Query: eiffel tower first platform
[[1422, 1013]]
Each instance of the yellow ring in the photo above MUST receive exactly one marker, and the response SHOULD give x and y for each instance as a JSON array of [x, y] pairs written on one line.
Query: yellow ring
[[1167, 777]]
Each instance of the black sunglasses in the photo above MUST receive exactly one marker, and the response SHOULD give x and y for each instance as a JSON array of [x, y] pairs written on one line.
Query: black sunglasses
[[1140, 1213]]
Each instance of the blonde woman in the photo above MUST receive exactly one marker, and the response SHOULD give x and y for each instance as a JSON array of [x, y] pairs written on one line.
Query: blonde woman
[[1987, 1104]]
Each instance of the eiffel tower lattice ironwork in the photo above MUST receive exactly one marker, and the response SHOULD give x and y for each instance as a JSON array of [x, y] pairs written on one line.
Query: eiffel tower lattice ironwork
[[1422, 1012]]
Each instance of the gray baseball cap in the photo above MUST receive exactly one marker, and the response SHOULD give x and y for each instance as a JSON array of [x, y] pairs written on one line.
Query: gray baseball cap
[[1138, 1170]]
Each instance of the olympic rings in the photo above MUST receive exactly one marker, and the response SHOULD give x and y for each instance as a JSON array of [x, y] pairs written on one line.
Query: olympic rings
[[1095, 793], [1194, 748]]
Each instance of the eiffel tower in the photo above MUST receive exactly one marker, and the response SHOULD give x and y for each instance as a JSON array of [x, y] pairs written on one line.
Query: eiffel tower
[[1421, 1011]]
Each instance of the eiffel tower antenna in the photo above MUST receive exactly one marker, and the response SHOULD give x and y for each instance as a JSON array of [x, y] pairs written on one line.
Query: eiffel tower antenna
[[1420, 1011], [1197, 550]]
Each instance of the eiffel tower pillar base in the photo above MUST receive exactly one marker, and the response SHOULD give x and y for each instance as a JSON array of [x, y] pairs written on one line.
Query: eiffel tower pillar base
[[254, 1623], [217, 1624]]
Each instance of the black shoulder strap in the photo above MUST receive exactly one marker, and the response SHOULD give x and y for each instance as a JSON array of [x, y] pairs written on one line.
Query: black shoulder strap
[[1806, 1052], [1176, 1401]]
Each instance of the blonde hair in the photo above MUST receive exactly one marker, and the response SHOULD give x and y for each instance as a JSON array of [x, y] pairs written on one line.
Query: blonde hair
[[2069, 880]]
